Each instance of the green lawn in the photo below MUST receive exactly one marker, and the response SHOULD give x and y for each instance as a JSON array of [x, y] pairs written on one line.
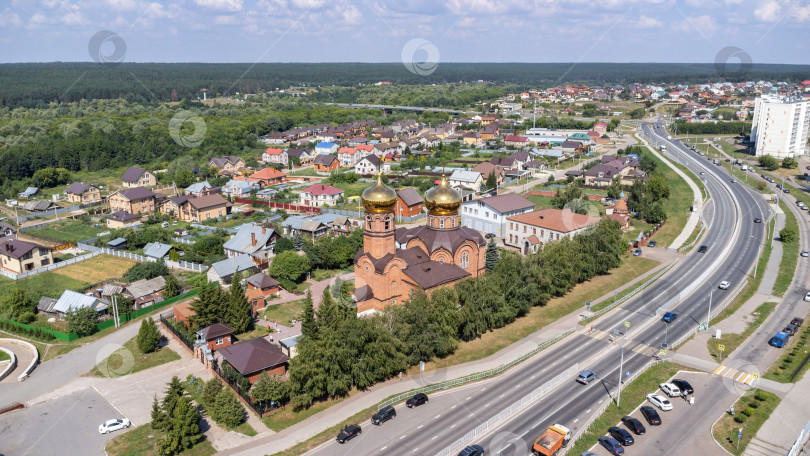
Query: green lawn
[[791, 366], [676, 206], [304, 172], [354, 189], [66, 231], [45, 284], [140, 441], [790, 254], [759, 404], [732, 341], [284, 313], [323, 274], [4, 356], [128, 359]]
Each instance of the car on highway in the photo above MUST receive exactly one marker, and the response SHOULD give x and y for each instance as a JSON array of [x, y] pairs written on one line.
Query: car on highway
[[702, 173], [472, 450], [651, 415], [770, 179], [703, 249], [660, 401], [384, 414], [634, 425], [637, 252], [113, 425], [807, 296], [669, 317], [652, 244], [611, 445], [670, 389], [417, 400], [683, 385], [733, 181], [724, 285], [757, 220], [779, 340], [797, 321], [349, 432], [805, 253], [586, 376], [779, 186], [621, 435], [786, 190]]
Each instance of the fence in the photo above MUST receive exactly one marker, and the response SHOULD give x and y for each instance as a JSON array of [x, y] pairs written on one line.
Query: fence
[[177, 333], [697, 238], [539, 392], [636, 291], [146, 310], [399, 218], [51, 267], [472, 377], [261, 408], [34, 330], [188, 266], [285, 206]]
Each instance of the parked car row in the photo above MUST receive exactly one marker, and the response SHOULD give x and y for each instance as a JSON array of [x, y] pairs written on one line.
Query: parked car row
[[781, 338], [384, 414]]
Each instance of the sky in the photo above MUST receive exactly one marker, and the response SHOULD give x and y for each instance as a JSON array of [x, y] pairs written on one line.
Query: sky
[[220, 31]]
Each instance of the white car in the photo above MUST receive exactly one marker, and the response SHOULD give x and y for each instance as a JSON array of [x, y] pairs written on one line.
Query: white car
[[670, 389], [113, 425], [807, 297], [660, 401], [724, 285], [805, 253]]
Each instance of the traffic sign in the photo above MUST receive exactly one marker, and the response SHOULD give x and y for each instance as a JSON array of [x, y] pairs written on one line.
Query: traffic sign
[[627, 324], [588, 305], [756, 377], [662, 352], [627, 373], [722, 347]]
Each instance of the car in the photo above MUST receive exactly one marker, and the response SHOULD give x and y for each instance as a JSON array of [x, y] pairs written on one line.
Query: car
[[384, 414], [728, 160], [472, 450], [757, 220], [586, 376], [724, 285], [348, 432], [637, 252], [611, 445], [621, 436], [807, 296], [733, 181], [703, 249], [791, 329], [770, 179], [113, 425], [669, 317], [702, 173], [417, 400], [634, 425], [779, 186], [651, 415], [805, 253], [670, 389], [660, 401], [797, 321], [683, 385], [588, 453], [763, 176], [786, 190]]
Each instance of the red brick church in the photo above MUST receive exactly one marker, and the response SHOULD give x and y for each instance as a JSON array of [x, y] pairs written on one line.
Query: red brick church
[[394, 261]]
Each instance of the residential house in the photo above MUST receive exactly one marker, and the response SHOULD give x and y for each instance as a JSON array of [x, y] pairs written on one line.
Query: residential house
[[274, 138], [571, 147], [273, 155], [156, 250], [6, 231], [304, 156], [602, 174], [326, 148], [79, 192], [487, 168], [239, 188], [528, 231], [304, 226], [40, 206], [215, 337], [288, 345], [466, 179], [182, 313], [171, 206], [253, 357], [254, 240], [267, 176], [365, 150], [371, 164], [138, 200], [228, 164], [382, 149], [319, 195], [409, 203], [348, 156], [489, 214], [471, 138], [223, 271], [204, 208], [122, 219], [145, 292], [20, 256], [138, 177], [535, 167], [326, 163], [261, 287], [200, 189], [72, 300], [515, 141]]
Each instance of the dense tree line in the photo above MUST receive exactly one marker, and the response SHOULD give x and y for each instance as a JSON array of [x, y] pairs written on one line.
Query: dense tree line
[[734, 127], [215, 305]]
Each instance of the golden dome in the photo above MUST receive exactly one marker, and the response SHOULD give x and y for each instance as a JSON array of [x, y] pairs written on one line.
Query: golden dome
[[442, 200], [379, 197]]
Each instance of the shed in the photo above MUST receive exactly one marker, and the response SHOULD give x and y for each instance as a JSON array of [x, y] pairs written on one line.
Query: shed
[[156, 250], [118, 244]]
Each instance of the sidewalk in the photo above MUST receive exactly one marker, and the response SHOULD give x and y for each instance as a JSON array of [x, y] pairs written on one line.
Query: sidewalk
[[772, 269]]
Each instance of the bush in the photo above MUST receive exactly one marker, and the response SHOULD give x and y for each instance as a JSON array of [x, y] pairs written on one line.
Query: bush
[[146, 270], [148, 336], [748, 412], [761, 397], [740, 418], [227, 409], [27, 317], [753, 404]]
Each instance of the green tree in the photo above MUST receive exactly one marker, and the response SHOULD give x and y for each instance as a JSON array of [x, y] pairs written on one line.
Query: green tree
[[158, 416], [289, 268], [283, 244], [186, 423], [298, 242], [270, 388], [17, 303], [790, 163], [768, 162], [210, 391], [210, 306], [637, 113], [172, 288], [788, 234], [653, 213], [492, 181], [615, 189], [492, 255], [147, 270], [657, 187], [82, 321], [239, 311], [174, 391], [148, 336], [227, 409], [309, 327]]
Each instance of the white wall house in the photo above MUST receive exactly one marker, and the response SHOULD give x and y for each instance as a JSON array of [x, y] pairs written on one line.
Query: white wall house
[[780, 126], [489, 214]]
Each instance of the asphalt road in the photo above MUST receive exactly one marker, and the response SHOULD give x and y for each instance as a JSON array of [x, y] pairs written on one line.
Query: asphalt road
[[50, 428], [734, 242]]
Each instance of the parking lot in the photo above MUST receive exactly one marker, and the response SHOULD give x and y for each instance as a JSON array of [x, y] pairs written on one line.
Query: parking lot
[[66, 426], [686, 428]]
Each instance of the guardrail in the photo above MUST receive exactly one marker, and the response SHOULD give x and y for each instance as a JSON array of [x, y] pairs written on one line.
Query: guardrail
[[636, 291], [539, 392], [472, 377], [697, 238], [711, 316]]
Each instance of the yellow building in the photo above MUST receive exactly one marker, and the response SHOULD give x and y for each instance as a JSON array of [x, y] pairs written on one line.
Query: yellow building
[[20, 256], [80, 192]]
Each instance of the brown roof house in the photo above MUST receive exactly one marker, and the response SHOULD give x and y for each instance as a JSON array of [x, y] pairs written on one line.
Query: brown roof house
[[253, 357], [138, 200], [20, 256], [527, 231], [260, 287], [215, 337], [122, 219], [80, 192], [138, 177], [204, 208], [409, 203]]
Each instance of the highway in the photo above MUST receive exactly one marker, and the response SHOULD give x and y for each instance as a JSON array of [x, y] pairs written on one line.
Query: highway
[[734, 243]]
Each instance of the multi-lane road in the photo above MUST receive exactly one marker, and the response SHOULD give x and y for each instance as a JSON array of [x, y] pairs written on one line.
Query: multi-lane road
[[734, 242]]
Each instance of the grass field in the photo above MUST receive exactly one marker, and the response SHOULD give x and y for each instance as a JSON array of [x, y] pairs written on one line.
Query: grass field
[[284, 313], [676, 206], [66, 231], [790, 254], [45, 284], [4, 356], [733, 341], [96, 269], [129, 359], [760, 404], [141, 442]]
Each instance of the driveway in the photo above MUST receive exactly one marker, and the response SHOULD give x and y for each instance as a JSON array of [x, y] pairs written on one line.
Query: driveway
[[66, 426]]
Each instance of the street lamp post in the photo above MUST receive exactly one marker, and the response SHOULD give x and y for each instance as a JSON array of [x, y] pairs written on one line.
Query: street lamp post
[[709, 314], [621, 371]]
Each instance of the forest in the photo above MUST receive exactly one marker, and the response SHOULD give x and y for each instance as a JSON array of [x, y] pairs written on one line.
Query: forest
[[37, 84]]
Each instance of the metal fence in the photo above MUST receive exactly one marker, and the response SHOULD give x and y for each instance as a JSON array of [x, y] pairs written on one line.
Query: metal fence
[[472, 377], [636, 291], [177, 333], [526, 400], [188, 266]]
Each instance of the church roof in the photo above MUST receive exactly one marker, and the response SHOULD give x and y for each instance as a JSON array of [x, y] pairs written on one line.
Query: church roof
[[433, 273], [434, 240]]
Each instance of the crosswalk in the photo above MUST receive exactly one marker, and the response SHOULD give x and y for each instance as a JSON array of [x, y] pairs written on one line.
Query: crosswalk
[[737, 376]]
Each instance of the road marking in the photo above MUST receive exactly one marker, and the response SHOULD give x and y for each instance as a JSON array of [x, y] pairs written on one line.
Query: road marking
[[600, 401], [486, 405], [484, 388], [451, 427], [434, 437], [420, 426], [402, 437], [383, 448], [719, 369], [436, 417], [451, 408], [502, 395], [531, 377], [576, 419], [588, 411], [414, 450]]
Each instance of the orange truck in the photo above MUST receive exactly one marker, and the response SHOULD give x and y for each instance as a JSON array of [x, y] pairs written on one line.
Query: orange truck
[[553, 439]]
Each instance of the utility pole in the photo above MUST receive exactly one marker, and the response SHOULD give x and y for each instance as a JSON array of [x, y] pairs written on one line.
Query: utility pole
[[709, 314], [621, 371]]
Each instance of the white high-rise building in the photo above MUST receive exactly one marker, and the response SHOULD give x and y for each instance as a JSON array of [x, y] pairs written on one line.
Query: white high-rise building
[[780, 126]]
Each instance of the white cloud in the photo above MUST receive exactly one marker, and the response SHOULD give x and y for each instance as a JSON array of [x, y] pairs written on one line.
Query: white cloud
[[802, 13], [648, 22], [309, 4], [9, 19], [38, 19], [351, 16], [221, 5], [702, 25], [226, 20], [122, 5], [73, 18], [768, 11]]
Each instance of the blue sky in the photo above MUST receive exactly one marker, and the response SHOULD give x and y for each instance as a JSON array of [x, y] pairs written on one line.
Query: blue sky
[[769, 31]]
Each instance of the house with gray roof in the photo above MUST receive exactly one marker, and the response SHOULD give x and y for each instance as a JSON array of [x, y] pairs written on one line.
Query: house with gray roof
[[146, 292], [239, 188], [223, 271], [199, 189], [156, 250], [71, 300], [466, 179], [255, 240], [29, 192], [297, 225]]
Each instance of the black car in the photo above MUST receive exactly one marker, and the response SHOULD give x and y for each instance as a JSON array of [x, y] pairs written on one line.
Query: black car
[[472, 450], [757, 220], [703, 249], [621, 435], [791, 329], [349, 432], [650, 415], [384, 414], [634, 425], [651, 244], [797, 321], [417, 400], [683, 385]]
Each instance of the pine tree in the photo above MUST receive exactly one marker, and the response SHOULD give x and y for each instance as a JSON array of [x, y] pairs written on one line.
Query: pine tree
[[173, 393], [491, 255], [327, 311], [158, 417], [229, 410], [210, 390], [492, 181], [309, 327], [239, 309], [186, 423], [298, 242], [148, 336], [172, 288]]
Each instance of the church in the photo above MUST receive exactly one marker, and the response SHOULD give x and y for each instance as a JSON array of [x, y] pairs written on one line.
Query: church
[[394, 261]]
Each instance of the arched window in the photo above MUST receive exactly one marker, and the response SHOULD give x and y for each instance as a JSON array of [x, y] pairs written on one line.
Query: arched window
[[465, 260], [441, 260], [453, 222], [387, 223], [441, 222]]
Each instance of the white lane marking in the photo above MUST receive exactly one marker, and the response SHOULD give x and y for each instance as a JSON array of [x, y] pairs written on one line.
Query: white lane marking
[[436, 417], [383, 448], [414, 450], [451, 408], [576, 419], [402, 437], [420, 426], [434, 437], [588, 411]]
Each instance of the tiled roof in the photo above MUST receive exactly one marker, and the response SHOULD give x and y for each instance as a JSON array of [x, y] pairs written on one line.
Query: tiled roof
[[433, 273], [562, 221], [253, 355], [206, 201], [77, 188], [137, 193], [262, 280], [320, 189], [325, 159], [507, 202], [216, 330], [133, 174], [16, 248], [449, 240], [409, 196], [267, 173], [122, 216]]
